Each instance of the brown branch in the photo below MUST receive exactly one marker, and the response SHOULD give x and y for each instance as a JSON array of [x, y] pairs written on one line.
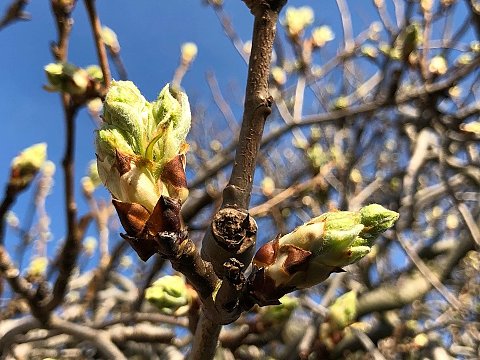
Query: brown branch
[[183, 255], [14, 13], [218, 248], [205, 340], [7, 202], [99, 338], [9, 271], [292, 191], [71, 247], [258, 102], [141, 333], [136, 317], [100, 46], [156, 267], [64, 23], [236, 199], [8, 337]]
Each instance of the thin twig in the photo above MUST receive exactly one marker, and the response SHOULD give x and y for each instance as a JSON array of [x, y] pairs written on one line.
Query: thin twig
[[6, 204], [368, 344], [100, 46], [14, 13], [222, 105], [288, 193], [238, 191], [257, 104], [470, 222], [224, 159], [230, 31], [99, 338], [71, 247], [428, 274]]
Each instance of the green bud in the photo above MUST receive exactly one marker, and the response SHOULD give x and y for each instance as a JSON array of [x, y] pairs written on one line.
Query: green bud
[[188, 52], [321, 35], [95, 72], [311, 252], [168, 294], [138, 143], [280, 313], [65, 77], [340, 103], [110, 39], [37, 266], [297, 19], [141, 160], [407, 42], [172, 118], [26, 165], [93, 173], [92, 180], [343, 311], [375, 219]]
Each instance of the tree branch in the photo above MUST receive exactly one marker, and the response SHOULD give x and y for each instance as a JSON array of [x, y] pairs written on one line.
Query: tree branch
[[228, 252], [100, 46], [205, 340], [258, 103], [14, 13], [71, 247], [412, 286]]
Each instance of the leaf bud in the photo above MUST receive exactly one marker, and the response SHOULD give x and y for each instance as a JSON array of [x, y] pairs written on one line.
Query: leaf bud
[[26, 165], [168, 294], [141, 155], [314, 250]]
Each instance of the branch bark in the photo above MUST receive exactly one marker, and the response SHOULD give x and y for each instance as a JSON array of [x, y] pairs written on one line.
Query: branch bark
[[236, 196], [71, 247], [100, 46]]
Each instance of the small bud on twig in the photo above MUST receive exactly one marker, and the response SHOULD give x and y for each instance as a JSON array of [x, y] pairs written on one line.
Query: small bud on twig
[[26, 165]]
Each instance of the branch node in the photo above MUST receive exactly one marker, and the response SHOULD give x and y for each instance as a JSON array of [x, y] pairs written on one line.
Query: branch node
[[232, 235]]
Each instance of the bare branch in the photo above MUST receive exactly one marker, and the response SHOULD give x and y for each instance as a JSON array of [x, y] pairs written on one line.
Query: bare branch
[[14, 13], [100, 46]]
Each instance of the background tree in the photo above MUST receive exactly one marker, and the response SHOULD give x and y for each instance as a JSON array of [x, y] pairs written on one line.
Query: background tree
[[378, 110]]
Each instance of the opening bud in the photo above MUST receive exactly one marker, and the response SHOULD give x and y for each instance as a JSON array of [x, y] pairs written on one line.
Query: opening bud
[[141, 155], [26, 165], [314, 250]]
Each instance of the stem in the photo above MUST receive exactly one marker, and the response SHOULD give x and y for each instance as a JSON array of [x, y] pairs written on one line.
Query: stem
[[100, 46], [71, 246], [257, 102], [14, 13], [237, 193], [7, 202], [205, 340]]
